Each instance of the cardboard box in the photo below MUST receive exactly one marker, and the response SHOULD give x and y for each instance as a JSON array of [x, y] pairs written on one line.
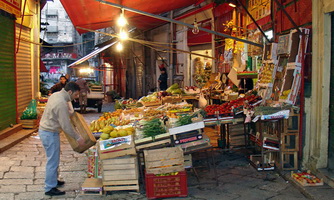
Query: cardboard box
[[82, 128]]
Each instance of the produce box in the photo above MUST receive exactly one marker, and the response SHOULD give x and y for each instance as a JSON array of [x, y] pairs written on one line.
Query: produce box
[[82, 128], [120, 174], [306, 179], [149, 142], [165, 160], [116, 147], [166, 186]]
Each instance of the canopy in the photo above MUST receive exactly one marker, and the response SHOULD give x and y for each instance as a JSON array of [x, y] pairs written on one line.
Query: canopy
[[94, 15], [92, 54]]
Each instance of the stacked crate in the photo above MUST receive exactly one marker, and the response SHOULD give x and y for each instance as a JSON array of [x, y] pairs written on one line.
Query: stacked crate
[[119, 164], [290, 143], [165, 175], [120, 174]]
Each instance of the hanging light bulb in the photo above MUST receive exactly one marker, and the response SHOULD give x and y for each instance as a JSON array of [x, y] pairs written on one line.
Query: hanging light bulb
[[123, 35], [121, 20], [195, 29], [119, 46]]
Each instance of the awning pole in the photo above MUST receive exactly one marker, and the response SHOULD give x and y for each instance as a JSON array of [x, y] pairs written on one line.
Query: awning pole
[[177, 22]]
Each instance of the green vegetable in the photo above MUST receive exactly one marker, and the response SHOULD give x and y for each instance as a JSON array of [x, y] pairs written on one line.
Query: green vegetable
[[153, 128], [184, 120]]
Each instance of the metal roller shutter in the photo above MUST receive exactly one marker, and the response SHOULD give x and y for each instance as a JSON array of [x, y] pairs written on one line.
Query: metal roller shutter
[[7, 72], [23, 69]]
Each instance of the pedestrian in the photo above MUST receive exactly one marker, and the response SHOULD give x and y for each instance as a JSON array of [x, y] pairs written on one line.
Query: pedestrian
[[56, 117], [163, 79], [58, 86], [84, 89]]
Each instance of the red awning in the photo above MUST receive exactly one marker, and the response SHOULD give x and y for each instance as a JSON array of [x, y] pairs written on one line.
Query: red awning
[[42, 67], [92, 14]]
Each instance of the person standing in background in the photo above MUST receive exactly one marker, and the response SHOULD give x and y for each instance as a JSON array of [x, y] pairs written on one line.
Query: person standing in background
[[84, 89], [163, 79], [58, 86], [56, 117]]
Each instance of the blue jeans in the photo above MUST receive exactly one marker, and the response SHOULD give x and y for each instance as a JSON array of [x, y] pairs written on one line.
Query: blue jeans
[[51, 143]]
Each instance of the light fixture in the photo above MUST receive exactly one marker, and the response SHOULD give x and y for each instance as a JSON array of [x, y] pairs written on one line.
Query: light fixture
[[123, 35], [87, 70], [121, 20], [195, 29], [119, 46], [232, 5]]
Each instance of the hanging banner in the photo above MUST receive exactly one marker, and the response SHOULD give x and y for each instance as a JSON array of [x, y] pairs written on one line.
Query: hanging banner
[[11, 6]]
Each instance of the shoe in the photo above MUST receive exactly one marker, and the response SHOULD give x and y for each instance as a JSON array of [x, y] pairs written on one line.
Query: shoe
[[60, 183], [55, 192]]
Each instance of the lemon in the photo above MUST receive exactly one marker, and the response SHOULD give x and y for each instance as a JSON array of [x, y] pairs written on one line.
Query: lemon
[[104, 136]]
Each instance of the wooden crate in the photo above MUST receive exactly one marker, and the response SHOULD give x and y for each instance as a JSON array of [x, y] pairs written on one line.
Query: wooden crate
[[151, 104], [92, 186], [306, 179], [147, 143], [165, 160], [290, 141], [29, 123], [120, 174], [118, 151], [188, 162], [83, 129], [289, 160]]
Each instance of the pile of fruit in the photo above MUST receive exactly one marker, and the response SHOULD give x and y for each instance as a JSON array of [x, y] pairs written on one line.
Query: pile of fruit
[[191, 90], [150, 98], [266, 74], [227, 108], [174, 89], [111, 132], [107, 119], [306, 178]]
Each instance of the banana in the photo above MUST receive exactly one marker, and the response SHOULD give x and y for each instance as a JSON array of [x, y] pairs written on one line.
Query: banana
[[97, 125]]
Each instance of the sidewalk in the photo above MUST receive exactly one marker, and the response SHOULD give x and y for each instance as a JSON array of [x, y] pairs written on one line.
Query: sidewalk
[[22, 173]]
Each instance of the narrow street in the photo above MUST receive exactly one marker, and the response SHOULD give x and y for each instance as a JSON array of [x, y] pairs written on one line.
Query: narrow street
[[23, 168]]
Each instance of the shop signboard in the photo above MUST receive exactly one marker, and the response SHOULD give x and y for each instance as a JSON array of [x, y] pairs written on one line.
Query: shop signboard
[[11, 6]]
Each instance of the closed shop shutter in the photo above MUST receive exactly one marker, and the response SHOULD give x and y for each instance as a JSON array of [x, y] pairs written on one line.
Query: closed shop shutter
[[7, 72], [23, 69]]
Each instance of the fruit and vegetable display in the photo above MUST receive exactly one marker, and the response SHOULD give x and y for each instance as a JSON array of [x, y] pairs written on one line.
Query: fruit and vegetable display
[[153, 128], [227, 108], [266, 74], [191, 90], [285, 94], [111, 132], [127, 103], [174, 89]]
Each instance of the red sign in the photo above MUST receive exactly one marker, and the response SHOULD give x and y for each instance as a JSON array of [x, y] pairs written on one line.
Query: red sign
[[11, 6]]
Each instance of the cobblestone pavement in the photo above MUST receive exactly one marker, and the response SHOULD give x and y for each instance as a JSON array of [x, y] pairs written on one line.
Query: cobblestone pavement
[[22, 173]]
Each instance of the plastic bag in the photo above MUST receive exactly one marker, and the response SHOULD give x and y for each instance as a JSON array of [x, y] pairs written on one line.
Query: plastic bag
[[31, 111]]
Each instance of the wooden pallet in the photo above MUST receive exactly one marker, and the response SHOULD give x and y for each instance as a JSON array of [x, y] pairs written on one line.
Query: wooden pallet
[[165, 160], [120, 174], [147, 143]]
